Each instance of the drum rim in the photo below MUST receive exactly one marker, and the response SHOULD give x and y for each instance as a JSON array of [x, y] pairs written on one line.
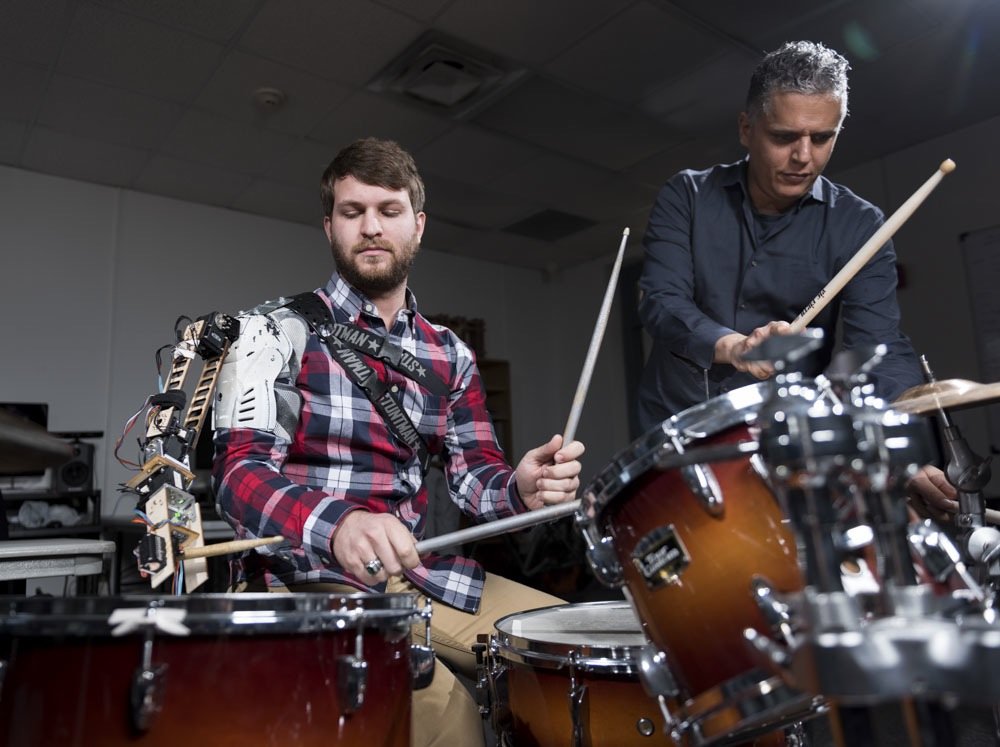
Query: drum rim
[[699, 421], [613, 659], [264, 612]]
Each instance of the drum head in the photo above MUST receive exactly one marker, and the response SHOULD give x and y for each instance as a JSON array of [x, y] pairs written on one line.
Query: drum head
[[604, 636]]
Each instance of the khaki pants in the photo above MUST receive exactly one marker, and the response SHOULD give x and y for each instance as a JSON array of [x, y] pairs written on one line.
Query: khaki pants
[[445, 714]]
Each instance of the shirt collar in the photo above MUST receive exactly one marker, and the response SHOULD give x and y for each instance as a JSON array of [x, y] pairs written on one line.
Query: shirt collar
[[735, 174], [345, 296]]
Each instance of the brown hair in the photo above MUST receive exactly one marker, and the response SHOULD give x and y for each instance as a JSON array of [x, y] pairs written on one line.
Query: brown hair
[[383, 163]]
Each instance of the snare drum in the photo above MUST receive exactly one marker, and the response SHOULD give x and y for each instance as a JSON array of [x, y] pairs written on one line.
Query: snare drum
[[213, 669], [700, 549], [568, 675]]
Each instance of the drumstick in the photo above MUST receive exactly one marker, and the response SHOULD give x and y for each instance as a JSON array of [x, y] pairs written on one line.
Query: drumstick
[[224, 548], [869, 248], [595, 345], [548, 513]]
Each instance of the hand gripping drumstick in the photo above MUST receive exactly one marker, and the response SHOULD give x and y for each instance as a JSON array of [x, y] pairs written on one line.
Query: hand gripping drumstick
[[224, 548], [867, 251], [549, 513]]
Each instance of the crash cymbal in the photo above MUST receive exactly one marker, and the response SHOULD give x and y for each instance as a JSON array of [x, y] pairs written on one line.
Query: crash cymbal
[[948, 394], [27, 447]]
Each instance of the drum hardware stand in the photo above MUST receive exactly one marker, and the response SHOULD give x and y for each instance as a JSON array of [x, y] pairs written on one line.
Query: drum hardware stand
[[172, 514], [966, 470]]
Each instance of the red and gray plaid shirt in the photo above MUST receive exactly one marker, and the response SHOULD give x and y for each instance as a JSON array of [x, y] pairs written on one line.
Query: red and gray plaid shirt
[[328, 451]]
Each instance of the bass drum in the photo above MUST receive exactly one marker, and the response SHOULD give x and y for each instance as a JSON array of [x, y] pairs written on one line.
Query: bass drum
[[700, 549], [568, 675], [240, 669]]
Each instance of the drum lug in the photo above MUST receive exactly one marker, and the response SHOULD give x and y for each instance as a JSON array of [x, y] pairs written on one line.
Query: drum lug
[[482, 675], [655, 675], [775, 612], [352, 676], [603, 561], [3, 674], [577, 699], [703, 483], [422, 656], [146, 693]]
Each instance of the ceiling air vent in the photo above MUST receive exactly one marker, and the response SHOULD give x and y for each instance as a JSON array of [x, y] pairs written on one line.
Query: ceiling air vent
[[550, 225], [447, 76]]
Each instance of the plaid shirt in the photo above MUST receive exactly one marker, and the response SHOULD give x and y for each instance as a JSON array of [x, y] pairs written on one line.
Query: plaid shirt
[[330, 452]]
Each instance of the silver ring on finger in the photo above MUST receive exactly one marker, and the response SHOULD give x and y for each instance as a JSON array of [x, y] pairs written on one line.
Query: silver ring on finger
[[373, 566]]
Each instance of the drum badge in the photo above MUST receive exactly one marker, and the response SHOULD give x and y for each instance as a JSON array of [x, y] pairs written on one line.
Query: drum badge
[[660, 557]]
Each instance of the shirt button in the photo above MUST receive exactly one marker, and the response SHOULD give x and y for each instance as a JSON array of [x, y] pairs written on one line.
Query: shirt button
[[743, 306], [368, 308], [753, 263], [394, 388]]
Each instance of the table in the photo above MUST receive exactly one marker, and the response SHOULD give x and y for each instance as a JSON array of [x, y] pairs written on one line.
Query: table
[[53, 556]]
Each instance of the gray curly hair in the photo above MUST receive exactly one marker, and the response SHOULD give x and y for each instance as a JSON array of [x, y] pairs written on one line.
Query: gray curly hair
[[798, 67]]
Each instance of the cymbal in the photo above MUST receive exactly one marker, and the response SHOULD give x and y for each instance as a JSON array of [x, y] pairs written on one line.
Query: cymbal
[[27, 447], [948, 394]]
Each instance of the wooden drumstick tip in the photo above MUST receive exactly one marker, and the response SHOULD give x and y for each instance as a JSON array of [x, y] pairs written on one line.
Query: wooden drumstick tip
[[947, 166], [625, 232]]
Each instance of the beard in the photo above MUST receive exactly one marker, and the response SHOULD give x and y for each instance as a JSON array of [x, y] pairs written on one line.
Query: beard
[[375, 277]]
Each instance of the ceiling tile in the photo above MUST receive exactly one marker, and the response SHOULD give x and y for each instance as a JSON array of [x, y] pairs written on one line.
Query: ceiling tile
[[509, 249], [304, 164], [473, 207], [552, 116], [683, 104], [695, 154], [12, 135], [574, 187], [470, 154], [79, 158], [204, 138], [111, 115], [294, 204], [347, 42], [308, 97], [370, 115], [191, 181], [526, 30], [747, 23], [32, 31], [661, 46], [422, 10], [126, 51], [218, 20], [24, 86]]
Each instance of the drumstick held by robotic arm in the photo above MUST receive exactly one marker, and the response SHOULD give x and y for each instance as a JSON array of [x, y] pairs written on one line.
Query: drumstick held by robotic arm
[[870, 247]]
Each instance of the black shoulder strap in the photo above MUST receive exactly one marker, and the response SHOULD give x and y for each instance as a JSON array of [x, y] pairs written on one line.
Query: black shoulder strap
[[311, 308], [316, 314]]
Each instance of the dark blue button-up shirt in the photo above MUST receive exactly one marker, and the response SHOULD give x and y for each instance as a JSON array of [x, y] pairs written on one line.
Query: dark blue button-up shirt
[[713, 266]]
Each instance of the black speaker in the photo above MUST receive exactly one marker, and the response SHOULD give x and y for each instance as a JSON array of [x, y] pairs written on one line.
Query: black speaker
[[76, 475]]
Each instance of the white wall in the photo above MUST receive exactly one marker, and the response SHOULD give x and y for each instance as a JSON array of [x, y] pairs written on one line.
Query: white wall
[[93, 279]]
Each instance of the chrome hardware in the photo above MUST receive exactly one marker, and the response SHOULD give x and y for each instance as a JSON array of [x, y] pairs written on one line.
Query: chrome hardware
[[146, 692], [645, 727], [577, 695], [352, 676], [939, 554], [3, 673], [422, 656], [701, 481], [775, 612], [654, 673], [602, 559]]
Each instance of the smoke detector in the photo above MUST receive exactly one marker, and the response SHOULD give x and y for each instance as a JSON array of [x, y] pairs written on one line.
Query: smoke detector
[[269, 100]]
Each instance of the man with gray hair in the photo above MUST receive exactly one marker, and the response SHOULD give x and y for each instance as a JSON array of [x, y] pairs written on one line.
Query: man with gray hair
[[735, 252]]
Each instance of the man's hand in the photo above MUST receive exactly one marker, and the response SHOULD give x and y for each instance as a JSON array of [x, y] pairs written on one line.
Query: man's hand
[[931, 496], [732, 347], [364, 536], [549, 474]]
